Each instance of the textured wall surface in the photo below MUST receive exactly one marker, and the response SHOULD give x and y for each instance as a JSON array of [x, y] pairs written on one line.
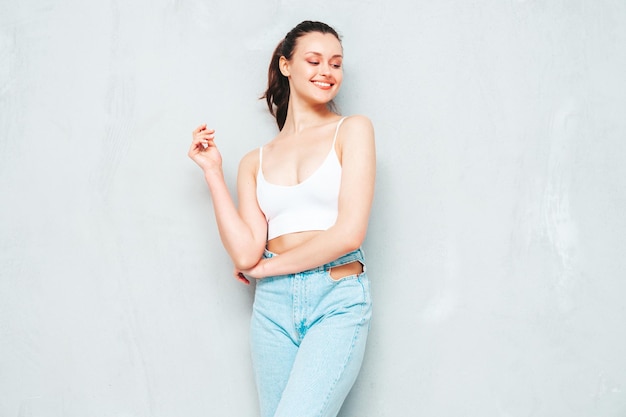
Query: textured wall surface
[[497, 245]]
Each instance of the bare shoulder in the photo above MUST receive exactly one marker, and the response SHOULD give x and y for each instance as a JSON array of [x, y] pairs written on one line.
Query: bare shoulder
[[358, 121], [250, 162], [357, 128]]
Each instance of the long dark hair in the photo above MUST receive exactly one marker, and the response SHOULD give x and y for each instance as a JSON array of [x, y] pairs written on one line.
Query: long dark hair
[[277, 93]]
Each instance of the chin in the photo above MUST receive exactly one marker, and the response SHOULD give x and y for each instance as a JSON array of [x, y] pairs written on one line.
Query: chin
[[327, 98]]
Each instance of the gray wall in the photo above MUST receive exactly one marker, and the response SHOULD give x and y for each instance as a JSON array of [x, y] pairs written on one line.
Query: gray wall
[[496, 248]]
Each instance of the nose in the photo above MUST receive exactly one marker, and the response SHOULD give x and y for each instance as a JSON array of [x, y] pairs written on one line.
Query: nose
[[324, 68]]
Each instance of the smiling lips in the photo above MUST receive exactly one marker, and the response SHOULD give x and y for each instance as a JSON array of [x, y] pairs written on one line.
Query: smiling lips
[[323, 85]]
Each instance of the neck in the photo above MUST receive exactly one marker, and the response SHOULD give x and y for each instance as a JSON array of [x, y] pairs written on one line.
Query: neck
[[301, 116]]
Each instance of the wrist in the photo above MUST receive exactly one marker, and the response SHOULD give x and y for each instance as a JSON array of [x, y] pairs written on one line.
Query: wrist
[[265, 268], [213, 174]]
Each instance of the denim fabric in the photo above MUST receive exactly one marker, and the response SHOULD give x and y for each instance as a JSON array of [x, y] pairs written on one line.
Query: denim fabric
[[308, 338]]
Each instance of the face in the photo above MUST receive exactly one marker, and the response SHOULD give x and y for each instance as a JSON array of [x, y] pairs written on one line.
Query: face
[[315, 69]]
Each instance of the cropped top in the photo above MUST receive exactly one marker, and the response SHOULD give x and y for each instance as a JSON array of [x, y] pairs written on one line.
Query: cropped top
[[312, 204]]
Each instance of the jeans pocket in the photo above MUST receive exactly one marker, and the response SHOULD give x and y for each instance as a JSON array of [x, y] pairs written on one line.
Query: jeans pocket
[[348, 272], [332, 280]]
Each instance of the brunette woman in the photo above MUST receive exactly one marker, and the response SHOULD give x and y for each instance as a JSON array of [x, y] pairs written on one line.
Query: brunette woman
[[304, 204]]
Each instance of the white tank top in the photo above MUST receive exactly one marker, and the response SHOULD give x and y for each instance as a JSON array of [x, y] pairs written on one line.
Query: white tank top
[[311, 205]]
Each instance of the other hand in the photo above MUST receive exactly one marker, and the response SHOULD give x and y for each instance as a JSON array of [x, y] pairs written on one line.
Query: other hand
[[257, 271], [240, 276]]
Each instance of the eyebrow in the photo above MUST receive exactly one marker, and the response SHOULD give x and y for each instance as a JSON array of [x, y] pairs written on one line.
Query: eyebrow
[[319, 54]]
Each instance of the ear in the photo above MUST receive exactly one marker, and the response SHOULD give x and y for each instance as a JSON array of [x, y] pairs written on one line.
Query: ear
[[283, 65]]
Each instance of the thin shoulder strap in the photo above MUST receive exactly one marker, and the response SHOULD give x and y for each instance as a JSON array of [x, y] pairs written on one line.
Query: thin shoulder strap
[[337, 130], [260, 171]]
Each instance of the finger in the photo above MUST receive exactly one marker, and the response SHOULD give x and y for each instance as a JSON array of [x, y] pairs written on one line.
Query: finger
[[209, 143], [200, 128], [198, 145], [203, 141], [204, 135], [242, 278]]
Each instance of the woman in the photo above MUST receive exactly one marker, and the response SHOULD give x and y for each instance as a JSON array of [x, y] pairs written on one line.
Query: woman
[[304, 203]]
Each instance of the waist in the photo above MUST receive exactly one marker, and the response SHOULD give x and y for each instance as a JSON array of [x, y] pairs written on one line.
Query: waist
[[350, 257]]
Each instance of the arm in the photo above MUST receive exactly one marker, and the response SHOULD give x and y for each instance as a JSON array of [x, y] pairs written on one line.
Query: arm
[[358, 160], [243, 232]]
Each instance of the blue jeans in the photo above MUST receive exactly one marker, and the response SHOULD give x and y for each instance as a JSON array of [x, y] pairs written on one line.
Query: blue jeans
[[308, 336]]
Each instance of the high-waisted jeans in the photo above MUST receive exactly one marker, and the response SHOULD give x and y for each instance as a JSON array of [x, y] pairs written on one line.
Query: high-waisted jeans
[[308, 338]]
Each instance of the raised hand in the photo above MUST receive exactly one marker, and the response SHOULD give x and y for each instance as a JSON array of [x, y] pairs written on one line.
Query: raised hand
[[203, 150]]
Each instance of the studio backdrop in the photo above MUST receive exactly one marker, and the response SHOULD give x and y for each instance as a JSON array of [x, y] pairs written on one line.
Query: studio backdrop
[[496, 247]]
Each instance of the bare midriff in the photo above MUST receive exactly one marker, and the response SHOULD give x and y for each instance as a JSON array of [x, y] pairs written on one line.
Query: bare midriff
[[284, 243]]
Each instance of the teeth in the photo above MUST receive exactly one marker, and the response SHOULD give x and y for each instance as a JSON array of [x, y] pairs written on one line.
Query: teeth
[[321, 84]]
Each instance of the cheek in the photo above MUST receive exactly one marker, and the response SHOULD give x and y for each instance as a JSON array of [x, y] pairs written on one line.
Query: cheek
[[306, 72], [339, 78]]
